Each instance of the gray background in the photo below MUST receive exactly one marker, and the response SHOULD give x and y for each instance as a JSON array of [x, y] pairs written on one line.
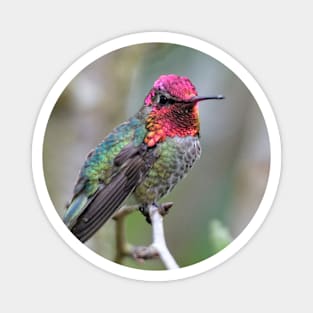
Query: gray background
[[39, 272]]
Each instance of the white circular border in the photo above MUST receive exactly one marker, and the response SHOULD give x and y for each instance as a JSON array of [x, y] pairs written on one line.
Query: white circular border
[[228, 61]]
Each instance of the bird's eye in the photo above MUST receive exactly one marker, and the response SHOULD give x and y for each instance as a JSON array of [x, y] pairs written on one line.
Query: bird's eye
[[163, 100]]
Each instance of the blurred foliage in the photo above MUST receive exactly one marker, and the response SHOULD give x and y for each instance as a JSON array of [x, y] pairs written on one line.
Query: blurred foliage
[[228, 182], [218, 236]]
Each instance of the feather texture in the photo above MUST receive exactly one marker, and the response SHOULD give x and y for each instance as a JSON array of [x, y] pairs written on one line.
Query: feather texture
[[109, 174], [109, 198]]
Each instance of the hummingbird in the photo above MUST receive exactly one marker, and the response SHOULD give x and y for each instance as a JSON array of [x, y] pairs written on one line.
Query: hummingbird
[[144, 157]]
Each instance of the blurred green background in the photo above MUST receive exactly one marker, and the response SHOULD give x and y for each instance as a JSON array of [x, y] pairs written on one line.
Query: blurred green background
[[222, 192]]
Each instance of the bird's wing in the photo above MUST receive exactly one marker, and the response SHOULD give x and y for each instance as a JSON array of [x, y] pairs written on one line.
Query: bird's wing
[[109, 197], [109, 175]]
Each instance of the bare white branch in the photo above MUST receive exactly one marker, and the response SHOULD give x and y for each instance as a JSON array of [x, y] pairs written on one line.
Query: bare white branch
[[159, 242], [158, 248]]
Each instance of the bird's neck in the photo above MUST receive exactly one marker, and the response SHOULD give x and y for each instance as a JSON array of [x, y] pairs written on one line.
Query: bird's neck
[[181, 121]]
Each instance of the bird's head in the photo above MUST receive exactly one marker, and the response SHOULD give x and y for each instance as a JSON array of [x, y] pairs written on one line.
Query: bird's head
[[173, 103]]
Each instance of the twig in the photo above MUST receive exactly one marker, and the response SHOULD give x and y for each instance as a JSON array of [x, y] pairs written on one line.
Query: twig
[[159, 239], [122, 247], [158, 248]]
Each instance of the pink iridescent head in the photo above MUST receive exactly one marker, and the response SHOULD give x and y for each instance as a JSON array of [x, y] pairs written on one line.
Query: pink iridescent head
[[178, 87], [171, 88], [173, 108]]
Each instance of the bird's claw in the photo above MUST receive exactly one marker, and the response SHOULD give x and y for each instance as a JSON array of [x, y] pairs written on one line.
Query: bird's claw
[[162, 208]]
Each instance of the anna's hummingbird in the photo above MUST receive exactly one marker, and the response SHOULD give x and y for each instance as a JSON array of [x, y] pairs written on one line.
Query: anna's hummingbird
[[145, 156]]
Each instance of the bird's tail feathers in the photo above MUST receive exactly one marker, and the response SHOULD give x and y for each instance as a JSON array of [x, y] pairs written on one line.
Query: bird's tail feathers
[[74, 210]]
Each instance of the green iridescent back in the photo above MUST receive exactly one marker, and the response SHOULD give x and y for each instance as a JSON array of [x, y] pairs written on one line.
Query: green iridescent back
[[99, 165]]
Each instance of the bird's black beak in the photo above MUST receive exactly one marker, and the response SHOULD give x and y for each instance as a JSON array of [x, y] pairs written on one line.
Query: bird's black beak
[[197, 99]]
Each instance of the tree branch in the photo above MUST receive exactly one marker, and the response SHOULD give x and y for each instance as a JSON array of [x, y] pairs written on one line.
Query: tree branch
[[158, 248], [159, 242]]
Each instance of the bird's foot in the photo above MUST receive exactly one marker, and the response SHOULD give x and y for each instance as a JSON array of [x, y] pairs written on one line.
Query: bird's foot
[[144, 210], [163, 209]]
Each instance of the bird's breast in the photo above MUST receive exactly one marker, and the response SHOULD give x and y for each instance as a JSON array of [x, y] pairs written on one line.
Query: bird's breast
[[176, 156]]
